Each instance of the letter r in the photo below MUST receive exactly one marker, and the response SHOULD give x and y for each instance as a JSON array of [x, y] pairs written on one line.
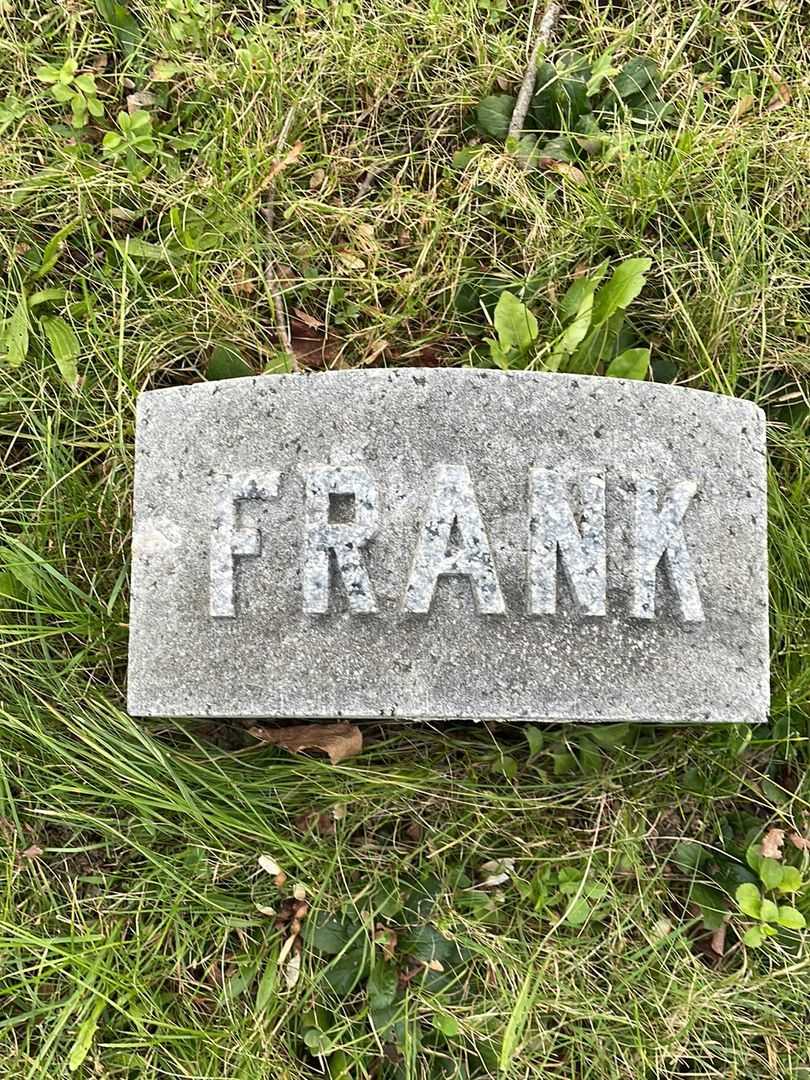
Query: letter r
[[346, 541]]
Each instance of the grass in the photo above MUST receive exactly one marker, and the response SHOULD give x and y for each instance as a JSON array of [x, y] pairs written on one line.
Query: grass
[[135, 938]]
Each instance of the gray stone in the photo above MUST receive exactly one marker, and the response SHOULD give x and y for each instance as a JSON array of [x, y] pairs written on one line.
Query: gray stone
[[448, 543]]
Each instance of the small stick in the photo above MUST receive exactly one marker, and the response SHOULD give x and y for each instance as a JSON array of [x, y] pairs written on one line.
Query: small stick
[[279, 310], [368, 180], [524, 97], [273, 284]]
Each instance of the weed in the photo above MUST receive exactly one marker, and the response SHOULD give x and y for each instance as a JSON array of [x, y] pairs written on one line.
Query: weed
[[574, 108], [190, 19], [592, 317], [780, 880], [79, 91], [133, 141]]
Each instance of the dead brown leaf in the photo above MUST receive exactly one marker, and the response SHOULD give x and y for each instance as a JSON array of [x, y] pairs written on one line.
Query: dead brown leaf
[[140, 100], [350, 259], [308, 320], [581, 269], [562, 168], [800, 842], [280, 164], [743, 105], [120, 213], [364, 235], [286, 949], [32, 852], [311, 346], [661, 927], [291, 915], [780, 99], [316, 179], [376, 349], [338, 741], [292, 969], [718, 942], [772, 844], [386, 938], [497, 871], [414, 832], [269, 865], [242, 283], [164, 71], [322, 823]]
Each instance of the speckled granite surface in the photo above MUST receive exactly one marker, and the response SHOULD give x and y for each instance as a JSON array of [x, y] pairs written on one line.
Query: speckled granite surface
[[449, 543]]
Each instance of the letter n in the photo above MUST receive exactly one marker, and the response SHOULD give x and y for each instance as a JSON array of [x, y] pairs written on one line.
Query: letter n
[[554, 536]]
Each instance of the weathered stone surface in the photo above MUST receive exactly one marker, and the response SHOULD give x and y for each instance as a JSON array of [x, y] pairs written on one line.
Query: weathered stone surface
[[446, 543]]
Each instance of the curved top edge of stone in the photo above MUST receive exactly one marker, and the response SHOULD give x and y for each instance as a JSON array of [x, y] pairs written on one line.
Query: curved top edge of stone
[[640, 387]]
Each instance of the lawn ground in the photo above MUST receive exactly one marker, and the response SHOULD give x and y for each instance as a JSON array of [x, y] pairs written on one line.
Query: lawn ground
[[480, 901]]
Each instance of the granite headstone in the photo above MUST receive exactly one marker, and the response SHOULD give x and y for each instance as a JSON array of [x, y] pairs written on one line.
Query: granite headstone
[[449, 543]]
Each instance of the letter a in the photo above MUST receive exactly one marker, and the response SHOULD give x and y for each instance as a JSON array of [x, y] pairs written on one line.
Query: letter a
[[452, 502], [553, 530], [659, 535]]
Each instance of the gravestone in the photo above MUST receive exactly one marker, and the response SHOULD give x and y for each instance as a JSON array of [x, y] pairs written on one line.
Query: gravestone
[[447, 544]]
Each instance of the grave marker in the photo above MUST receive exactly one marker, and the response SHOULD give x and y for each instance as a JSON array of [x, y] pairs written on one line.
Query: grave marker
[[449, 543]]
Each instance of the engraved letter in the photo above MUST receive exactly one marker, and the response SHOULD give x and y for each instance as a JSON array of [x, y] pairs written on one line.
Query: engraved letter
[[552, 529], [347, 541], [452, 502], [659, 535], [228, 541]]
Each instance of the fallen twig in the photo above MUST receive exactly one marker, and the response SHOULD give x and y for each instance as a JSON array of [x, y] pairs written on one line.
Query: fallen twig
[[274, 286], [524, 97], [368, 180]]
